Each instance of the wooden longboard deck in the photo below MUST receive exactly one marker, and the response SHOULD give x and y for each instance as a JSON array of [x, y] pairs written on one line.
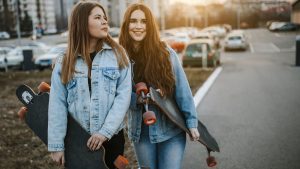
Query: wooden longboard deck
[[77, 154], [170, 108]]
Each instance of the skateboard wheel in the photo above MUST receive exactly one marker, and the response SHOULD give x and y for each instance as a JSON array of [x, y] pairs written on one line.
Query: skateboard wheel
[[211, 161], [21, 112], [44, 87], [121, 162], [141, 87], [149, 117]]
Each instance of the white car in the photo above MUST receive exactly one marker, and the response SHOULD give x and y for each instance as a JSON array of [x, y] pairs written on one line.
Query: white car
[[4, 35], [207, 36], [15, 57], [3, 55], [217, 31], [236, 40], [46, 60]]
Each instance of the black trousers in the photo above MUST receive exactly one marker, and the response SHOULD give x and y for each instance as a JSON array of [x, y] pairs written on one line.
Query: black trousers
[[113, 148]]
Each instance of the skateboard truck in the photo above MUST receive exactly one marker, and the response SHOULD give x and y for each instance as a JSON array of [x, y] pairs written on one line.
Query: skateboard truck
[[142, 90]]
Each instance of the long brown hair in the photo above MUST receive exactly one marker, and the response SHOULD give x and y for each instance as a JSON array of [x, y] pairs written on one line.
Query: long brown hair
[[79, 41], [152, 60]]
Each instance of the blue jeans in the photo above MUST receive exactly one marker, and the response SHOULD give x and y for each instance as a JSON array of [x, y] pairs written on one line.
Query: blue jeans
[[164, 155]]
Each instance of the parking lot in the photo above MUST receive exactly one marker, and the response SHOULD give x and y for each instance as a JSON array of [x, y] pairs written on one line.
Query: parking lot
[[253, 107]]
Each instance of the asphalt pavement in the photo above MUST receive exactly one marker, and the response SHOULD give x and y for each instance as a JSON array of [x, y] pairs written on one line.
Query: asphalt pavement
[[253, 107]]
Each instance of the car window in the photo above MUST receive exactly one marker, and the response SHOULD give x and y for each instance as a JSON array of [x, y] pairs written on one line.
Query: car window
[[202, 37], [235, 38], [193, 50]]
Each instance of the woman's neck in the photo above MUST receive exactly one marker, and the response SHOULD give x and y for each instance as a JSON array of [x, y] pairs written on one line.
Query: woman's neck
[[136, 46], [93, 44]]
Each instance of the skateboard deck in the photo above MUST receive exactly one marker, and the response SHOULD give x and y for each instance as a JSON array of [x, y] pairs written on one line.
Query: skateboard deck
[[77, 154], [170, 109]]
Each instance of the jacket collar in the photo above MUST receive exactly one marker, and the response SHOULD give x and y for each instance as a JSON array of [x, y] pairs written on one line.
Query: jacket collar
[[106, 46]]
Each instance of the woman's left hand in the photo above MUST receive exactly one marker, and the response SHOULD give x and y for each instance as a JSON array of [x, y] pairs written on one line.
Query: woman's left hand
[[95, 141], [195, 134]]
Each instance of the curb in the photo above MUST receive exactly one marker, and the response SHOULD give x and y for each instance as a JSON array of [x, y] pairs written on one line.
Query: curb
[[198, 97]]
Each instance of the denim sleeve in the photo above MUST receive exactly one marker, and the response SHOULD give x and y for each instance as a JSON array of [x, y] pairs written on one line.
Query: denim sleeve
[[133, 101], [182, 92], [57, 112], [120, 105]]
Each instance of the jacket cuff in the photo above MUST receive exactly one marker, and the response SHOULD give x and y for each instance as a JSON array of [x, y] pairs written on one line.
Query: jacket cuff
[[56, 147], [105, 132], [192, 123]]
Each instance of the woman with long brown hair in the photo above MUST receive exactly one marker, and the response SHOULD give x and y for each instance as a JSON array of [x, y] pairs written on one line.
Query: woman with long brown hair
[[162, 144], [92, 83]]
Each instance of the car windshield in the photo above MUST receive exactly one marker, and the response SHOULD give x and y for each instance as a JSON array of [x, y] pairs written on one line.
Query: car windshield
[[235, 38], [202, 37], [195, 50]]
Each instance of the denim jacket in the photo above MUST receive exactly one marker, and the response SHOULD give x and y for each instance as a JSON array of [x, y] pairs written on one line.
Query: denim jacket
[[164, 129], [101, 112]]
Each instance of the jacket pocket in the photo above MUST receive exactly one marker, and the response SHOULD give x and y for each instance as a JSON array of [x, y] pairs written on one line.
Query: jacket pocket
[[111, 77]]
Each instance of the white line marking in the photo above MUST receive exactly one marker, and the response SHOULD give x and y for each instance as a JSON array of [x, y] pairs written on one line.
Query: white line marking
[[206, 86], [277, 35], [275, 47], [251, 48]]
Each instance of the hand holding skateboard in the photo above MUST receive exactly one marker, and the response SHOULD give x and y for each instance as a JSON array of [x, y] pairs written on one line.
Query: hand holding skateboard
[[194, 134], [169, 107], [76, 154]]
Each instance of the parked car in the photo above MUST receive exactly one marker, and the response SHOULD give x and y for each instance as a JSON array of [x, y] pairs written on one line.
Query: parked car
[[177, 41], [15, 57], [65, 34], [208, 36], [236, 40], [3, 55], [196, 49], [288, 26], [46, 60], [217, 31], [4, 35], [114, 33]]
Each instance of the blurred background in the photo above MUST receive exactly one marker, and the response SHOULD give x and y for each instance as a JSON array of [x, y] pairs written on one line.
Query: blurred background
[[253, 41], [41, 25]]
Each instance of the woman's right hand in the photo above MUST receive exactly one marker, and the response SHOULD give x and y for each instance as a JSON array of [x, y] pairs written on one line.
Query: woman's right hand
[[58, 157]]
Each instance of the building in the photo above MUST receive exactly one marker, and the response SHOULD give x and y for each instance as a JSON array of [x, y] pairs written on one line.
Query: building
[[295, 15], [115, 9], [42, 13], [7, 15], [29, 14], [52, 15]]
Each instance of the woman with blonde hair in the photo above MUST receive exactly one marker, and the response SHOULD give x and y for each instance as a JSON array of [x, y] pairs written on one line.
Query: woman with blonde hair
[[162, 144], [92, 83]]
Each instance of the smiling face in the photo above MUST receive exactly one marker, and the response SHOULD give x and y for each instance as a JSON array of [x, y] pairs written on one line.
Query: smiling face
[[97, 24], [137, 25]]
